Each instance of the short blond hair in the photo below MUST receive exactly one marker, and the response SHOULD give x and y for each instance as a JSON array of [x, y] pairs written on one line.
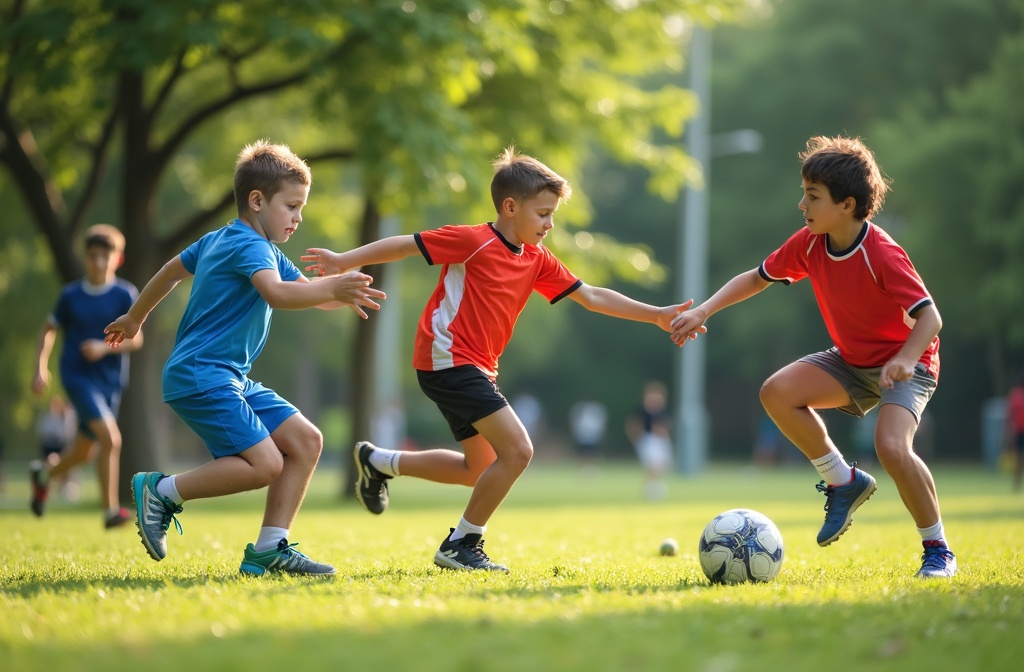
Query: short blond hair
[[266, 167], [104, 235], [522, 177]]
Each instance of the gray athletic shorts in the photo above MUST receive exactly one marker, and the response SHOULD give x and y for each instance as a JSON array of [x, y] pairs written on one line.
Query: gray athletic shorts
[[862, 385]]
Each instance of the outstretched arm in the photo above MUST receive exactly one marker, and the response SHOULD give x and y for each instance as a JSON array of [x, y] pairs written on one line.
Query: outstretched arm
[[159, 286], [691, 322], [324, 262], [349, 289], [609, 302]]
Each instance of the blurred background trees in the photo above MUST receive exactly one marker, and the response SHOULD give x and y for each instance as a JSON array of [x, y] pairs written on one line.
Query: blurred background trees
[[132, 113]]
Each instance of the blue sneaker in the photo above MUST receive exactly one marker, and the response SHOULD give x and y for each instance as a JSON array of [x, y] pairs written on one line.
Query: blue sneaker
[[937, 561], [840, 503], [153, 513], [284, 558]]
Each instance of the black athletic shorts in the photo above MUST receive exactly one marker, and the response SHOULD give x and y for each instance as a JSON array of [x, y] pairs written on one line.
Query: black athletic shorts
[[464, 395]]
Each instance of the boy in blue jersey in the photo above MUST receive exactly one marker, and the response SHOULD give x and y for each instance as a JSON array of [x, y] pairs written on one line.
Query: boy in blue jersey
[[256, 437], [93, 374]]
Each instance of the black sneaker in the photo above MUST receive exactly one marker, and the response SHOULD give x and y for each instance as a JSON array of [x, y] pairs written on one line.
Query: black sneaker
[[371, 482], [465, 553], [117, 519], [39, 490]]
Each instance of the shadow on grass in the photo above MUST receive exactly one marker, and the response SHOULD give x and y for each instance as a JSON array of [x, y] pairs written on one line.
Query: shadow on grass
[[686, 635]]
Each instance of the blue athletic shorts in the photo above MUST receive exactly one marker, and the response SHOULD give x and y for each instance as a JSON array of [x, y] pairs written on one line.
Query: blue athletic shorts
[[91, 403], [464, 395], [231, 420]]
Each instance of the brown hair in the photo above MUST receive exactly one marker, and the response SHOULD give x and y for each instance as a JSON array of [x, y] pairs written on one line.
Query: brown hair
[[265, 167], [522, 177], [847, 167]]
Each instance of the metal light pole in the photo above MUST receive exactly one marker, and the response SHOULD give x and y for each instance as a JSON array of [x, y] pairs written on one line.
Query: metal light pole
[[691, 418], [691, 435]]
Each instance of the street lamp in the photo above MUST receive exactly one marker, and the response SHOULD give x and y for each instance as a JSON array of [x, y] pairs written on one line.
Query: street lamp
[[691, 435]]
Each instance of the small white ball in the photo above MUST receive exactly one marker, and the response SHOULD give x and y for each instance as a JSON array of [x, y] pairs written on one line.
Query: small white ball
[[669, 547]]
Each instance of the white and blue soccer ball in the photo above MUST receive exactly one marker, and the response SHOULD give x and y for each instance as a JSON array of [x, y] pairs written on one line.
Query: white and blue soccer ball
[[739, 546]]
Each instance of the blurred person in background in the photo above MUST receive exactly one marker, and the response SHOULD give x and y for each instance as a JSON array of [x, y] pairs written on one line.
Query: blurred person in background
[[649, 428], [55, 428], [94, 374], [1015, 429]]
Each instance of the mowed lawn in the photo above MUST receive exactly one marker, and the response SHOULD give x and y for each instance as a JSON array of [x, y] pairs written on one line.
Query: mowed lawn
[[588, 590]]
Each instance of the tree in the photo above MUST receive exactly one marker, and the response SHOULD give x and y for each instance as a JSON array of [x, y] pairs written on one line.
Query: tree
[[111, 98]]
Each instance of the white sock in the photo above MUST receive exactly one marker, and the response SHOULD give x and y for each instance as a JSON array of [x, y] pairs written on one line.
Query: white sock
[[167, 488], [933, 533], [113, 511], [465, 528], [386, 461], [269, 538], [833, 468]]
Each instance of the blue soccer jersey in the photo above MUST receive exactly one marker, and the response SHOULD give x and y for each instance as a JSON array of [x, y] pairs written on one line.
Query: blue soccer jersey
[[83, 311], [226, 321]]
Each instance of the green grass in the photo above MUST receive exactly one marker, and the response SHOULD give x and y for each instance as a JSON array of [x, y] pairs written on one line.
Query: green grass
[[588, 590]]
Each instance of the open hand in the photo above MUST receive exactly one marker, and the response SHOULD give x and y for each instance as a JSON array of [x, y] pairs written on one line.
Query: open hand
[[120, 329]]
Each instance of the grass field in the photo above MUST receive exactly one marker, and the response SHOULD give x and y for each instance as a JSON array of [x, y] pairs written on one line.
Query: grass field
[[588, 590]]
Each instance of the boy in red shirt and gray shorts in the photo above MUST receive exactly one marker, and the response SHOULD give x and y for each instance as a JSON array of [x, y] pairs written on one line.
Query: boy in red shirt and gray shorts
[[884, 327]]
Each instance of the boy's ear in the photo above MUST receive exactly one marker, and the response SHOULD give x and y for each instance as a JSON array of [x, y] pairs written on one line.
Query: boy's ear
[[508, 206], [849, 204], [255, 200], [120, 261]]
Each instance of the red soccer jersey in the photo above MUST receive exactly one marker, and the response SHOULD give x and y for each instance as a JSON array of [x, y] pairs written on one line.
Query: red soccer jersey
[[484, 285], [867, 294]]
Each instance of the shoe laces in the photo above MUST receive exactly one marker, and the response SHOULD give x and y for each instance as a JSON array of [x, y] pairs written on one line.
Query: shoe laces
[[830, 493], [935, 556], [168, 516], [285, 548], [475, 548]]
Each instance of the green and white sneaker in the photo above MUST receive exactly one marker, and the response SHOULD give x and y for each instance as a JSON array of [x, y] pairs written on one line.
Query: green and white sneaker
[[153, 513], [284, 558]]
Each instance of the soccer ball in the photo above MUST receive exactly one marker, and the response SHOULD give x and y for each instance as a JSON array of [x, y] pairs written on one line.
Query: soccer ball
[[740, 545]]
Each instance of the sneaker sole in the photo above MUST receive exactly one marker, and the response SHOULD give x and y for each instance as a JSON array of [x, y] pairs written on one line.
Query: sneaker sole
[[444, 562], [360, 481], [252, 569], [139, 482], [865, 496]]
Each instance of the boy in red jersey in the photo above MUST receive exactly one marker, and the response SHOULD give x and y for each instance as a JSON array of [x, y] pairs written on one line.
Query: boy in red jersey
[[884, 326], [488, 273]]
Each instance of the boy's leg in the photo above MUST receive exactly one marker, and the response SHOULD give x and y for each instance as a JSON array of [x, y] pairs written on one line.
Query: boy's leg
[[253, 468], [894, 445], [108, 467], [301, 443], [451, 466], [375, 466], [42, 473], [790, 398], [502, 434]]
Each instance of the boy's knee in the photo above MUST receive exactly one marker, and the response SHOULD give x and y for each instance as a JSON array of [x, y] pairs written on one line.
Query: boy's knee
[[891, 448], [770, 393], [518, 456], [309, 443]]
